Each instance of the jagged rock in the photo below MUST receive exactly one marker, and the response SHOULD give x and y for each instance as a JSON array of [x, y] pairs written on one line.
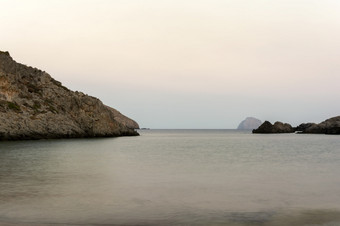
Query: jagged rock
[[249, 123], [278, 127], [34, 106]]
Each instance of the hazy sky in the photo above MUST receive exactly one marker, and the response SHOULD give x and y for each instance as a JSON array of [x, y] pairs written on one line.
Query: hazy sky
[[186, 63]]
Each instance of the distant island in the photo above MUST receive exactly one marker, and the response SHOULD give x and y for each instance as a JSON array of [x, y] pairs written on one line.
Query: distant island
[[33, 105], [329, 126], [249, 123]]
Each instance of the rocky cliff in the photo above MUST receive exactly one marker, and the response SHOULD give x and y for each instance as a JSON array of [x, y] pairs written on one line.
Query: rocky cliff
[[35, 106], [329, 126], [249, 123]]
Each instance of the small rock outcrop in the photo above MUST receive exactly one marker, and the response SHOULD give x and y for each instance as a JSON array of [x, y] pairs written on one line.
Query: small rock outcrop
[[278, 127], [35, 106], [249, 123]]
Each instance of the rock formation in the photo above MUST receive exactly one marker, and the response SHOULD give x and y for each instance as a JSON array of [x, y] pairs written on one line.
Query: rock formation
[[278, 127], [249, 123], [329, 126], [35, 106]]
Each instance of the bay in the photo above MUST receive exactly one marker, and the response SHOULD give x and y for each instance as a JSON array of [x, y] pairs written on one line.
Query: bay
[[172, 177]]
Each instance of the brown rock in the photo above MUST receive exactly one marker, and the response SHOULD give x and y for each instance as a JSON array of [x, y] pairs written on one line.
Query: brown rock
[[34, 106]]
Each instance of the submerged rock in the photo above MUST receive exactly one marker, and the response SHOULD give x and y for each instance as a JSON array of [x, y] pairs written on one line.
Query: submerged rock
[[35, 106], [278, 127], [249, 123]]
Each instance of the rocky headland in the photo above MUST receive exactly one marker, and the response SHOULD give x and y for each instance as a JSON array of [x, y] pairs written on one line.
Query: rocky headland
[[329, 126], [249, 123], [33, 105]]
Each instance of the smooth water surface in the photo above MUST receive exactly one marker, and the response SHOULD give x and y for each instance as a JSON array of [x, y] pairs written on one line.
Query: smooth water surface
[[172, 177]]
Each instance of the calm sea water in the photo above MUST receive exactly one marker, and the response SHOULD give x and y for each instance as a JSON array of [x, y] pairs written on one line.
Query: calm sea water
[[172, 177]]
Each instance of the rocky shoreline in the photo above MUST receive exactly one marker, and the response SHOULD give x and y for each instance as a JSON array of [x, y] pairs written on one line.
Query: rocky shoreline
[[33, 105], [329, 126]]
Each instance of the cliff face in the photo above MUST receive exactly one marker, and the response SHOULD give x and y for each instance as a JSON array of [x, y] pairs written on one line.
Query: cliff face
[[33, 106], [249, 123]]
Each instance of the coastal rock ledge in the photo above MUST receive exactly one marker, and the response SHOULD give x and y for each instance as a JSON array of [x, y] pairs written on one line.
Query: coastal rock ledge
[[35, 106], [329, 126]]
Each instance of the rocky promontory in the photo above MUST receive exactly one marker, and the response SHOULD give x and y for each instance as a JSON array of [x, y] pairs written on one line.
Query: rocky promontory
[[249, 123], [329, 126], [33, 105]]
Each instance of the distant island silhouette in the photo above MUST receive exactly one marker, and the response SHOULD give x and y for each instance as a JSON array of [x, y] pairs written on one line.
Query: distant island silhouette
[[249, 123]]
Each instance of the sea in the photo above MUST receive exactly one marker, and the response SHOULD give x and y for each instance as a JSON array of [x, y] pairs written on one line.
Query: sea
[[173, 177]]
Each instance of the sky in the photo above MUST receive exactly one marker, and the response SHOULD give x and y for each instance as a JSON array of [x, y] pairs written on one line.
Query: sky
[[186, 63]]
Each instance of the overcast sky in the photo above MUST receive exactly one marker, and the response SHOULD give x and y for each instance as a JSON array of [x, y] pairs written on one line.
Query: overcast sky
[[186, 63]]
